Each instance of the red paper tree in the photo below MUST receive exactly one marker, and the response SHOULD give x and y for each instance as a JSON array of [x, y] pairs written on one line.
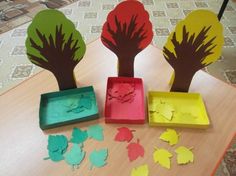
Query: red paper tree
[[126, 32]]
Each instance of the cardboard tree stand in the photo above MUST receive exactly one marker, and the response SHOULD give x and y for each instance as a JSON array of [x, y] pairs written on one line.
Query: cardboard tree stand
[[195, 43], [54, 44], [126, 32]]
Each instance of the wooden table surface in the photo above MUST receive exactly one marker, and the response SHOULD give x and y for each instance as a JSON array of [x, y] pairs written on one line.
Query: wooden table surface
[[24, 145]]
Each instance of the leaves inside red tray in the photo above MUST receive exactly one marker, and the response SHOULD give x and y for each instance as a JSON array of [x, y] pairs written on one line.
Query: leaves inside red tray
[[124, 134], [123, 92], [135, 150]]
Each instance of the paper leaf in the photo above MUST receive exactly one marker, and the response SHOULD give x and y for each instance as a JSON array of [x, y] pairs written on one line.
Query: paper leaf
[[135, 150], [162, 157], [78, 136], [85, 102], [140, 171], [170, 136], [55, 156], [166, 110], [184, 155], [124, 134], [96, 132], [98, 158], [57, 142], [75, 156], [57, 146]]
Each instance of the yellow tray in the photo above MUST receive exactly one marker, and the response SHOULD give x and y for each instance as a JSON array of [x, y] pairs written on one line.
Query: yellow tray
[[189, 110]]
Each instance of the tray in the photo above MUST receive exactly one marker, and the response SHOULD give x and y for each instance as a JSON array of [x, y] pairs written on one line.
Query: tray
[[124, 101], [66, 107], [188, 109]]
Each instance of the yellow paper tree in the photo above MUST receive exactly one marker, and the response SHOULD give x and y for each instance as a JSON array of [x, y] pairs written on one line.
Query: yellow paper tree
[[195, 43]]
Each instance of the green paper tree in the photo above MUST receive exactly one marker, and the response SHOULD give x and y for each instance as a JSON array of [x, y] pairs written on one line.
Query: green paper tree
[[195, 43], [54, 44]]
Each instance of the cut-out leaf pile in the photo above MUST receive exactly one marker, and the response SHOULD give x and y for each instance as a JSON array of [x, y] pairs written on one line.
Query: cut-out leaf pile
[[162, 108], [58, 144], [83, 103], [122, 92]]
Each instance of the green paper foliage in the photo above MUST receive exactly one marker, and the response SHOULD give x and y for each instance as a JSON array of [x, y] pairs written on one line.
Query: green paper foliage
[[96, 132], [75, 156], [46, 23], [78, 136], [57, 146], [98, 158]]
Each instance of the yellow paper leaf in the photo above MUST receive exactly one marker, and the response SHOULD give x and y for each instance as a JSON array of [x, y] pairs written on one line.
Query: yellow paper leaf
[[162, 157], [166, 110], [184, 155], [170, 136], [140, 171]]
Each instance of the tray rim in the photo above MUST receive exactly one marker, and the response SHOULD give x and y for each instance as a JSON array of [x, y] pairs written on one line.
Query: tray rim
[[63, 93], [173, 124]]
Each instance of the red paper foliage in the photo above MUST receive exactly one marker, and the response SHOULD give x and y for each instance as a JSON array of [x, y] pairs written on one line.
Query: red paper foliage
[[132, 16]]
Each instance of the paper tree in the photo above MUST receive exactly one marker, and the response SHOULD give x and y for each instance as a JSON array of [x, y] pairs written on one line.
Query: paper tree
[[53, 43], [195, 43], [126, 32]]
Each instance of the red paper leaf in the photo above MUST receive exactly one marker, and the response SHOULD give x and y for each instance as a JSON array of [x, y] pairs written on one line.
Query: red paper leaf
[[124, 134], [135, 150]]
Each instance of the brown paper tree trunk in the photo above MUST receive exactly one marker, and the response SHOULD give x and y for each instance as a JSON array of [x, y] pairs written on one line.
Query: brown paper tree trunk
[[182, 81], [66, 80], [126, 67]]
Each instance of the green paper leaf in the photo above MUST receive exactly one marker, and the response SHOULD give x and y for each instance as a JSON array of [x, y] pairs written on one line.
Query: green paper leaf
[[78, 136], [170, 135], [98, 158], [55, 156], [96, 132], [57, 146], [57, 142], [75, 156], [184, 155], [85, 102]]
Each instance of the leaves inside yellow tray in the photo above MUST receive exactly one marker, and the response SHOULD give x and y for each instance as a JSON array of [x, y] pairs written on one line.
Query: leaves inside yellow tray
[[170, 135], [186, 117], [162, 108], [162, 157], [140, 171], [184, 155]]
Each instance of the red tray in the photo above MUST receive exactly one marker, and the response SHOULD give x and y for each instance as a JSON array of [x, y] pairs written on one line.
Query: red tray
[[125, 101]]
